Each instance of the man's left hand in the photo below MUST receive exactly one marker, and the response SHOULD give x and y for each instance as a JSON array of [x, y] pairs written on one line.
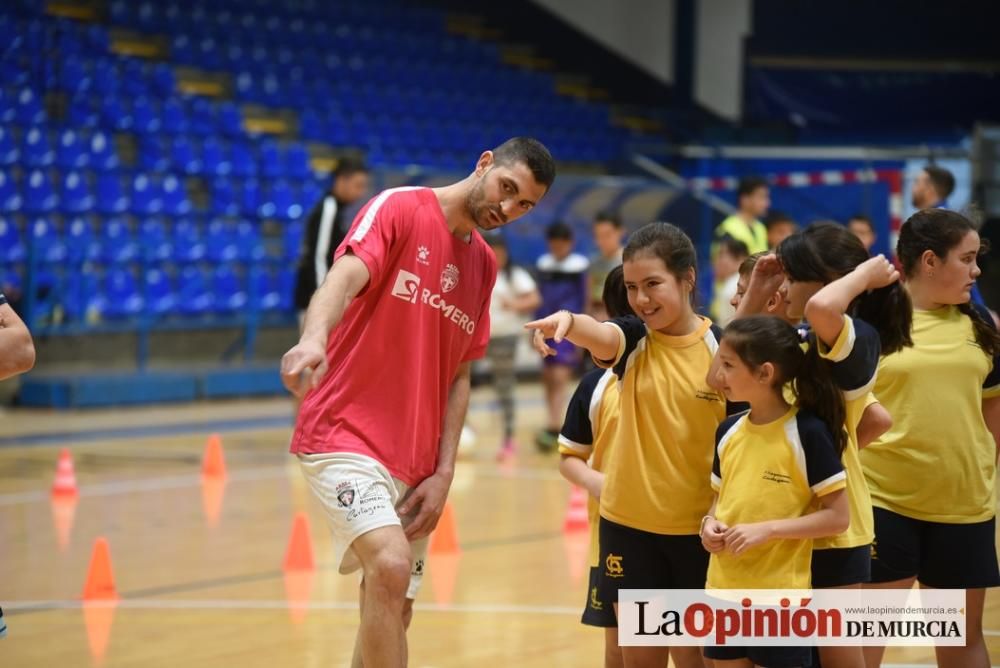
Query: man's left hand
[[427, 499]]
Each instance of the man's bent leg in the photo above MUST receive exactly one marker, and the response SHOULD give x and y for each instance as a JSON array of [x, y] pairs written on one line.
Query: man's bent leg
[[385, 560]]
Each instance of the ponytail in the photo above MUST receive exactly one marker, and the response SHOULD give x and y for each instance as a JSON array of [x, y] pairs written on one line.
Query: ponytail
[[763, 338], [824, 252], [816, 391]]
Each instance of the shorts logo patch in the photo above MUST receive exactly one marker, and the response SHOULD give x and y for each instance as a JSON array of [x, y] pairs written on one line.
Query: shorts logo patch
[[613, 566], [595, 602], [345, 494], [418, 567]]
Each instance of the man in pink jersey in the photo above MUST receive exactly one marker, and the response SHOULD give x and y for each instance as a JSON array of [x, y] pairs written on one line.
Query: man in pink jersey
[[383, 366]]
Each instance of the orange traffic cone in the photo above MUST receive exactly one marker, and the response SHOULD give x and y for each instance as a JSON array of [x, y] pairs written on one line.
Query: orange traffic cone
[[576, 513], [98, 617], [299, 556], [100, 584], [444, 540], [63, 513], [65, 482], [443, 571], [213, 489], [213, 464], [298, 588]]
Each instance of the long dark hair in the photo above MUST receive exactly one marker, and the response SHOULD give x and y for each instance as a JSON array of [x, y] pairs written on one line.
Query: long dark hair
[[765, 338], [824, 252], [939, 231], [670, 244]]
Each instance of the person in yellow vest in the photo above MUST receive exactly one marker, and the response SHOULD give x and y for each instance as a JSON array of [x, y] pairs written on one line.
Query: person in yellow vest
[[753, 199], [586, 442], [933, 475]]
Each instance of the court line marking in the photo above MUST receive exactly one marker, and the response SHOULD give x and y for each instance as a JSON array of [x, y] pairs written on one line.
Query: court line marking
[[159, 483], [190, 427]]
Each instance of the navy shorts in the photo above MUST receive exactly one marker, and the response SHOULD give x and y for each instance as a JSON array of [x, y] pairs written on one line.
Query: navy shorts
[[769, 657], [636, 559], [598, 612], [841, 566], [944, 556]]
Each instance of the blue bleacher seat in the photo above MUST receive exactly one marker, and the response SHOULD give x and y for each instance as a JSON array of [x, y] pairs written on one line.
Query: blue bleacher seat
[[76, 195], [157, 245], [292, 240], [9, 152], [102, 152], [224, 200], [48, 246], [118, 246], [183, 156], [10, 195], [111, 197], [81, 244], [189, 246], [175, 199], [193, 293], [146, 196], [122, 296], [214, 158], [12, 248], [28, 108], [230, 294], [153, 154], [264, 292], [243, 159], [160, 298], [71, 152], [248, 241], [39, 195], [36, 151], [220, 242]]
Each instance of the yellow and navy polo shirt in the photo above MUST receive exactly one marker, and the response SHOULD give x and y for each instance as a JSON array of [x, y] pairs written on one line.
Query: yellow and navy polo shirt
[[769, 472], [588, 433], [657, 480]]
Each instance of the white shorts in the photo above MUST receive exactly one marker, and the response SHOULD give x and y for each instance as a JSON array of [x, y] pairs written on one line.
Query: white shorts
[[358, 495]]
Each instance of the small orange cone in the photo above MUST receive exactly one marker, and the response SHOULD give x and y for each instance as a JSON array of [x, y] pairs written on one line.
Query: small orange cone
[[577, 548], [576, 513], [63, 513], [444, 540], [299, 556], [443, 571], [98, 617], [298, 587], [65, 482], [100, 584], [213, 489], [213, 464]]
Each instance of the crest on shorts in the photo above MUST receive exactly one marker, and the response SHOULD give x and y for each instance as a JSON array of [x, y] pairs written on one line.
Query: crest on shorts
[[345, 494], [449, 278]]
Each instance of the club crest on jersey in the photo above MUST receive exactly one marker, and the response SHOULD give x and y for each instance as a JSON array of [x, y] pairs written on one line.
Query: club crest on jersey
[[449, 278], [345, 494]]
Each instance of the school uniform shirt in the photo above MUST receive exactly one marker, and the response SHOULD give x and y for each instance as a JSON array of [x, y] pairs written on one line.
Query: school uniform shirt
[[938, 461], [589, 433], [394, 355], [658, 479], [770, 472], [854, 360]]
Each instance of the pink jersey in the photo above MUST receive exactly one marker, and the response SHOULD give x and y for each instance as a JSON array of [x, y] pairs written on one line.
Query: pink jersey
[[395, 353]]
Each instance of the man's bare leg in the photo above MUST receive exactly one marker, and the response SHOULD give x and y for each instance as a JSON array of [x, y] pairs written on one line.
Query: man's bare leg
[[385, 559]]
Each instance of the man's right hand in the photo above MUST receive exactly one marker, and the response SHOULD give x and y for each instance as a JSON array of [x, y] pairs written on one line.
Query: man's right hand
[[303, 367]]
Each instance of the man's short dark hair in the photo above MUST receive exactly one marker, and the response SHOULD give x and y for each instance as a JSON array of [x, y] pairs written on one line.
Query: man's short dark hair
[[749, 184], [349, 165], [861, 218], [734, 247], [532, 153], [942, 180], [608, 217], [558, 230]]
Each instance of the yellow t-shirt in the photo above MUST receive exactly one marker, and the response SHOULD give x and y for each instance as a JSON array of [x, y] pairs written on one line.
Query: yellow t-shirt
[[854, 359], [753, 235], [768, 472], [938, 461], [588, 433], [658, 479]]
